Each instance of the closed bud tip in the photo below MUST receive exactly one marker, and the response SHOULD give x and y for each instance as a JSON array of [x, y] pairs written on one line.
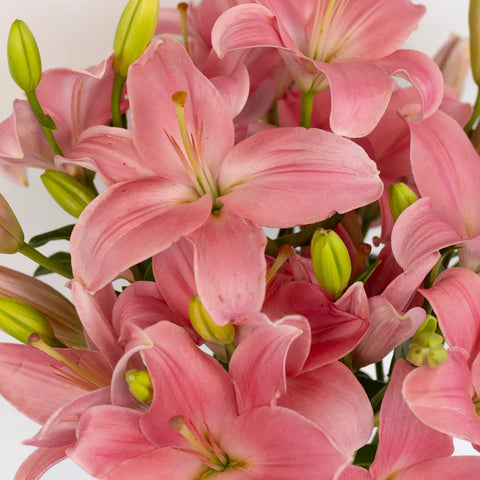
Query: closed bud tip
[[72, 195], [135, 31], [331, 261], [23, 56], [11, 233], [140, 384], [400, 197], [21, 321], [206, 327]]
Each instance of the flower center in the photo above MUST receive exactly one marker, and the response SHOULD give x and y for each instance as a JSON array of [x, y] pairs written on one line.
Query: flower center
[[323, 44], [203, 446], [198, 172]]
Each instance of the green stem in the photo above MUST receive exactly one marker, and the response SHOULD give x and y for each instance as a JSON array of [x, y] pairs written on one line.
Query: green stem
[[379, 371], [301, 238], [117, 119], [42, 119], [45, 262], [476, 112], [307, 108]]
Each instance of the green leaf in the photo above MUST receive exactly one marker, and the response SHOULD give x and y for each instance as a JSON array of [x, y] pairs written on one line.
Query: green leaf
[[62, 233], [62, 258], [373, 388], [47, 121], [365, 456]]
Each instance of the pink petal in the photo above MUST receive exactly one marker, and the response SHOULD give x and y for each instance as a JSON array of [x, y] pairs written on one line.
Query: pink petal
[[334, 331], [174, 275], [422, 72], [78, 98], [229, 266], [187, 382], [32, 382], [279, 444], [454, 298], [442, 397], [110, 152], [60, 429], [419, 232], [357, 107], [289, 176], [353, 472], [446, 166], [130, 222], [108, 435], [444, 468], [141, 304], [164, 69], [258, 364], [39, 462], [245, 26], [333, 399], [388, 329], [404, 439], [97, 326]]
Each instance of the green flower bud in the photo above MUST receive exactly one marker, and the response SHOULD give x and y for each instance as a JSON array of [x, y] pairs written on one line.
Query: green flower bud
[[400, 197], [140, 384], [427, 345], [135, 31], [23, 57], [331, 261], [68, 192], [11, 233], [21, 320], [206, 327]]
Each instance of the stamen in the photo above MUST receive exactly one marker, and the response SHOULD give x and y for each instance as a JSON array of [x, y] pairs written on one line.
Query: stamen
[[363, 251], [284, 253], [35, 341], [179, 99], [177, 423], [182, 9]]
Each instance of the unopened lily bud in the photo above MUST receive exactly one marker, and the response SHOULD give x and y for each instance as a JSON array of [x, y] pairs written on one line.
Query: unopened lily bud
[[23, 57], [331, 261], [68, 192], [11, 233], [140, 384], [206, 327], [474, 24], [427, 345], [135, 31], [21, 320], [400, 197], [453, 59]]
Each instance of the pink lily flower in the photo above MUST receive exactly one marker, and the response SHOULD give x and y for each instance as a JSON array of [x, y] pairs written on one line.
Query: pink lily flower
[[180, 170], [407, 448], [75, 99], [446, 168], [194, 427], [54, 386], [446, 398], [348, 46]]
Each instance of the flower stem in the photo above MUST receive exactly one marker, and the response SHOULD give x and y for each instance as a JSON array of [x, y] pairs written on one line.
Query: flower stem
[[307, 108], [44, 261], [118, 83], [476, 112], [44, 120]]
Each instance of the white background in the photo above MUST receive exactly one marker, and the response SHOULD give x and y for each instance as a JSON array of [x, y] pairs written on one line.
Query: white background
[[78, 34]]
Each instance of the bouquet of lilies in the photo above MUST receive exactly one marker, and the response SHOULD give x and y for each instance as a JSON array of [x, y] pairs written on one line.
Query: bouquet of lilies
[[225, 296]]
